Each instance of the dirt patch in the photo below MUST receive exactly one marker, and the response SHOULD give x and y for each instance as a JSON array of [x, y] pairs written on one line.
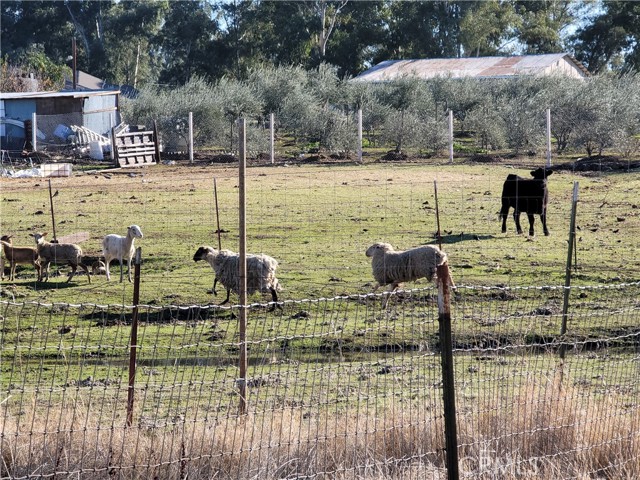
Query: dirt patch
[[394, 156], [480, 158], [599, 163]]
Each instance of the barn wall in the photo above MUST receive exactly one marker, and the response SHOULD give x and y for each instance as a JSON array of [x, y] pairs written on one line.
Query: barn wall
[[97, 112], [566, 68], [20, 109]]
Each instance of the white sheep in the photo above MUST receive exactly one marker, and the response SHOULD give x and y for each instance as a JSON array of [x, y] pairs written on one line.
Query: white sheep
[[392, 267], [17, 255], [261, 272], [120, 248], [58, 253]]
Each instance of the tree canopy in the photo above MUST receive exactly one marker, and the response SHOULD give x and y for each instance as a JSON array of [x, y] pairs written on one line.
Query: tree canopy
[[139, 42]]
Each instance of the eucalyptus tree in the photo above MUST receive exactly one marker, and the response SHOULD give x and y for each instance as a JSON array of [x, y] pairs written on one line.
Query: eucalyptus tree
[[188, 44], [41, 25], [612, 39], [362, 34], [128, 35], [424, 29], [489, 28], [544, 24]]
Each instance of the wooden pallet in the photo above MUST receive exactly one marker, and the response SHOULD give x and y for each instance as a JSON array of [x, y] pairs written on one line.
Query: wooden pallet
[[132, 149]]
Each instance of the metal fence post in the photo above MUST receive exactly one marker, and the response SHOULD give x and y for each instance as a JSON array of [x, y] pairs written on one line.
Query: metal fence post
[[242, 318], [190, 137], [548, 137], [360, 135], [450, 136], [567, 274], [134, 337], [272, 136], [448, 387], [34, 131]]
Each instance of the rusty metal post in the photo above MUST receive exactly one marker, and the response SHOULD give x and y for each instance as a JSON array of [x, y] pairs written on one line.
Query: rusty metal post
[[448, 387], [53, 219], [133, 346], [242, 382]]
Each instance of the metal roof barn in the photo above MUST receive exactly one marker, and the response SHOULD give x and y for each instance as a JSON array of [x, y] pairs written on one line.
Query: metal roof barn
[[476, 67], [93, 109]]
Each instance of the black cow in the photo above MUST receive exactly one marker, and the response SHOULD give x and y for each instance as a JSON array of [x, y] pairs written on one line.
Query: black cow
[[526, 195]]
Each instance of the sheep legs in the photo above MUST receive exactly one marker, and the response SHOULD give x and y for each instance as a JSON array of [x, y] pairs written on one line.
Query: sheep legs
[[274, 298], [108, 272], [75, 267]]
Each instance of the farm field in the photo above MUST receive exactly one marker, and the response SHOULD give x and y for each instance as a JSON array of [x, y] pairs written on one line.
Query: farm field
[[332, 354], [317, 221]]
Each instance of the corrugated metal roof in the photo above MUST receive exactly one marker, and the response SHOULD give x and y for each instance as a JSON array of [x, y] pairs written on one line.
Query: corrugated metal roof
[[76, 94], [481, 67]]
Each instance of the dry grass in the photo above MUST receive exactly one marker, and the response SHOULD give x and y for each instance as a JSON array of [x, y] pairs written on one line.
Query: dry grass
[[541, 433]]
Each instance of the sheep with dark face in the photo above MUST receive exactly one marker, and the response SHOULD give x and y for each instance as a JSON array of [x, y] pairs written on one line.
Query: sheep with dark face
[[526, 195], [391, 267], [261, 272]]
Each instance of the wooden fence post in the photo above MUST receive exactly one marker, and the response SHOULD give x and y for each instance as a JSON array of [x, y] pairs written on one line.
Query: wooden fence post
[[448, 387]]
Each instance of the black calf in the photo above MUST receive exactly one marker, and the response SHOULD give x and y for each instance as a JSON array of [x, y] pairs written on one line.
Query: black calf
[[526, 195]]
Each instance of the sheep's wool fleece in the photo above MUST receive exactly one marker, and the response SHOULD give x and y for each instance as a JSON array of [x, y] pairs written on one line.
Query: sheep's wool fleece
[[261, 271], [390, 266]]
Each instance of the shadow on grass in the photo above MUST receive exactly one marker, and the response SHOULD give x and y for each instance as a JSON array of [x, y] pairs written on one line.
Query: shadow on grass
[[115, 315], [463, 237]]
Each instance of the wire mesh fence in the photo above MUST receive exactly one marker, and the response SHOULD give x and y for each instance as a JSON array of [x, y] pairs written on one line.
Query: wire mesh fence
[[337, 388]]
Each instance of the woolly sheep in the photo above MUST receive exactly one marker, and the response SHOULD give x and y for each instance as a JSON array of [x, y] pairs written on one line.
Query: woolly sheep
[[392, 267], [261, 272], [117, 247], [17, 255], [58, 253]]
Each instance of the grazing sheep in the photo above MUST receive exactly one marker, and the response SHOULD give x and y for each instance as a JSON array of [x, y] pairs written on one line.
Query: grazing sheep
[[395, 267], [526, 195], [261, 272], [120, 248], [58, 253], [18, 255]]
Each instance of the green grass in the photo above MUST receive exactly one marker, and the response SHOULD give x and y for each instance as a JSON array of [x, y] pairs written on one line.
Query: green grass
[[317, 221]]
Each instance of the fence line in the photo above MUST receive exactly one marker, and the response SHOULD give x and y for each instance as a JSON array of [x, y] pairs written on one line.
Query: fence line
[[339, 387]]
